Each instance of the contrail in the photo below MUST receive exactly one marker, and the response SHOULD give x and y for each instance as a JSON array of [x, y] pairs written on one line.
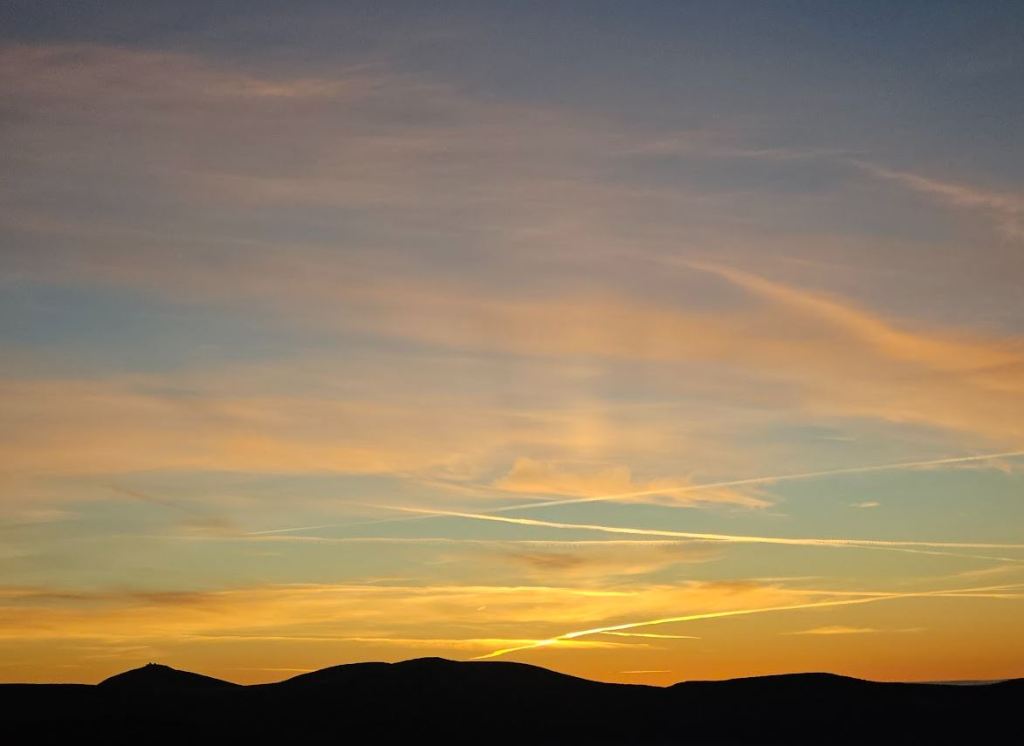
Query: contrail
[[912, 547], [686, 488], [727, 538], [736, 612], [458, 541], [765, 480], [653, 635], [297, 528]]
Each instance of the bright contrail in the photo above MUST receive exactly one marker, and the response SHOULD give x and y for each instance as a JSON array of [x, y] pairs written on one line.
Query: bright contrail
[[765, 480], [958, 593], [686, 488], [726, 538], [652, 634]]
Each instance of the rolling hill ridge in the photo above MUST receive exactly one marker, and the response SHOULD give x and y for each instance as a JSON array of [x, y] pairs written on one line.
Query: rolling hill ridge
[[502, 702]]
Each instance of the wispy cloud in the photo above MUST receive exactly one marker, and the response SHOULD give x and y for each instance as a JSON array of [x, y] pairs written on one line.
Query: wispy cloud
[[793, 347], [360, 614], [333, 141], [602, 563], [544, 477], [685, 489], [996, 458], [1005, 209], [839, 629], [78, 72]]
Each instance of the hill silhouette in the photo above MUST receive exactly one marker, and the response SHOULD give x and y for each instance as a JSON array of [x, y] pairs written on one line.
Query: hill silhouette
[[155, 677], [447, 701], [439, 673]]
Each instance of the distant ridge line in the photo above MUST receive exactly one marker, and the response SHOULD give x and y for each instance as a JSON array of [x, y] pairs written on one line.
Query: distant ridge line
[[165, 673], [504, 702]]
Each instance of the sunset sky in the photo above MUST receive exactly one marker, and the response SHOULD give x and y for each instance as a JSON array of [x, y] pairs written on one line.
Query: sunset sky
[[645, 341]]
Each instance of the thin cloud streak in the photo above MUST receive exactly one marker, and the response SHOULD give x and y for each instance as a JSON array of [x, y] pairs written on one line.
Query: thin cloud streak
[[653, 635], [1008, 209], [456, 643], [769, 480], [561, 543], [726, 538], [682, 488], [958, 593]]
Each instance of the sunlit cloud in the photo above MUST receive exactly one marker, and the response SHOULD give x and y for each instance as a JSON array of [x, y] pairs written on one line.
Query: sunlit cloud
[[839, 629], [125, 426], [416, 643], [354, 613], [717, 487], [544, 477], [976, 379], [597, 562]]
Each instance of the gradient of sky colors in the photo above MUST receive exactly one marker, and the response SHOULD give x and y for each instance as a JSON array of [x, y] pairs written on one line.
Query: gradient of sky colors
[[304, 306]]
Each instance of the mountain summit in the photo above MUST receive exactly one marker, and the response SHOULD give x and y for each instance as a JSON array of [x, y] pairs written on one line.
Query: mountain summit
[[156, 677], [438, 672]]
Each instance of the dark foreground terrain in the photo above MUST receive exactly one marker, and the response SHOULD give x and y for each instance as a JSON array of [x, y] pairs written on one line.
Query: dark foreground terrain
[[432, 700]]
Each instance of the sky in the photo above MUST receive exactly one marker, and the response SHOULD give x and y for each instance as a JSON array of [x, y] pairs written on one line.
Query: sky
[[647, 342]]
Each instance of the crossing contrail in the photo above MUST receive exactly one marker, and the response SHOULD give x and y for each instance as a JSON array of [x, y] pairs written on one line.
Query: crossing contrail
[[685, 489], [957, 593], [698, 536]]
